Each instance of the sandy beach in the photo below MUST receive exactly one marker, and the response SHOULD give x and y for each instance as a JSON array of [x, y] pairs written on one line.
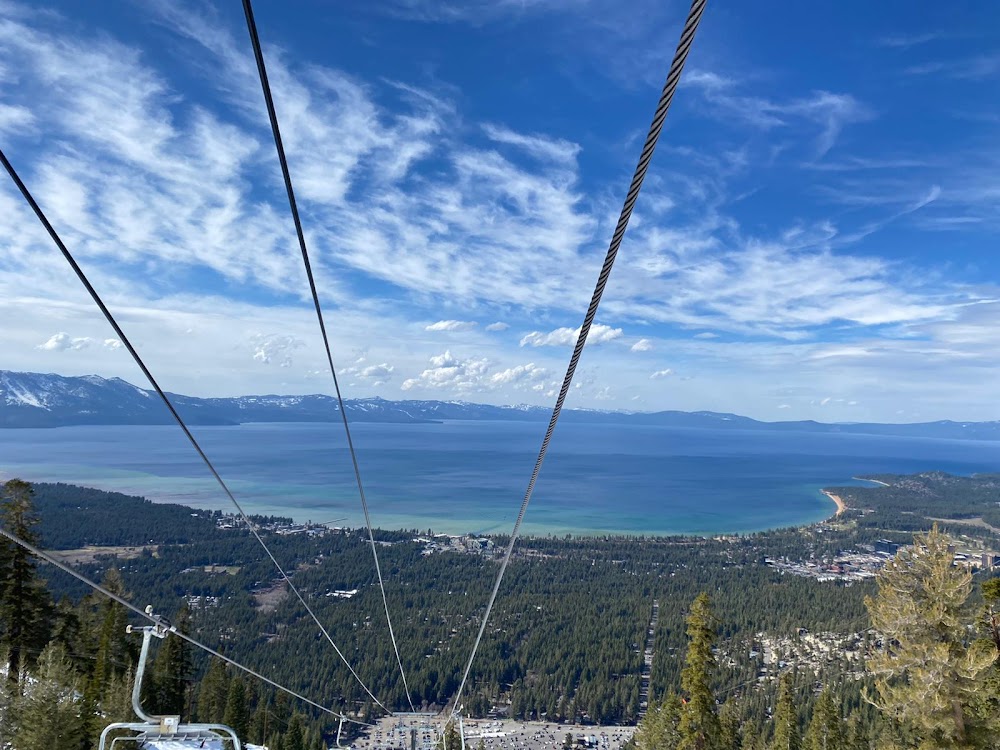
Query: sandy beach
[[841, 505]]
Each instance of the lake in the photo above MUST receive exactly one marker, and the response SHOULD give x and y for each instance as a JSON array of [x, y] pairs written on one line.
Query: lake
[[470, 476]]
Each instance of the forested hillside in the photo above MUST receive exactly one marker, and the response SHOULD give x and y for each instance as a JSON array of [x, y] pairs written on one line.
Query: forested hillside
[[565, 642]]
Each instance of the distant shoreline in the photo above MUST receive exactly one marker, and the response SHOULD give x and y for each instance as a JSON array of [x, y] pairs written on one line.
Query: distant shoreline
[[838, 500]]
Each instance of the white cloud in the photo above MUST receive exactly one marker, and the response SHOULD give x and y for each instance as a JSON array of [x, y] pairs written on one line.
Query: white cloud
[[14, 118], [519, 374], [62, 342], [451, 325], [784, 406], [659, 374], [381, 372], [599, 334], [274, 347], [498, 326], [449, 372], [113, 344], [642, 345], [453, 216]]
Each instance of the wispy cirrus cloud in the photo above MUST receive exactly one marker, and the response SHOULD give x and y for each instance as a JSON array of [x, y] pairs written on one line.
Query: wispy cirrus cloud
[[416, 211], [970, 68], [828, 113], [906, 41]]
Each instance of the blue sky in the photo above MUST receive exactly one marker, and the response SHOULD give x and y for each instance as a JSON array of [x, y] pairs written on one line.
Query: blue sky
[[816, 238]]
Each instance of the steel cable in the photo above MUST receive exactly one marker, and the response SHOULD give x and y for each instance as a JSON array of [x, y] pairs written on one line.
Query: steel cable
[[673, 77], [161, 621], [170, 406], [293, 205]]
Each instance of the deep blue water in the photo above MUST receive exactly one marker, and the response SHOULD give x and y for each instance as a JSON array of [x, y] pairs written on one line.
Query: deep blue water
[[471, 476]]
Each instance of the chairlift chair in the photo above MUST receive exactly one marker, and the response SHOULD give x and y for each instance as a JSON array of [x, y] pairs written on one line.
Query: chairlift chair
[[164, 732]]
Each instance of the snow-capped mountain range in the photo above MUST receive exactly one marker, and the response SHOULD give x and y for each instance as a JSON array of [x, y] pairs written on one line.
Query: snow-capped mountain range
[[29, 399]]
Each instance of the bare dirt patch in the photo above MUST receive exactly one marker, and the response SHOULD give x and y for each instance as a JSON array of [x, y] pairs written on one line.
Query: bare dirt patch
[[89, 554], [268, 599], [967, 522]]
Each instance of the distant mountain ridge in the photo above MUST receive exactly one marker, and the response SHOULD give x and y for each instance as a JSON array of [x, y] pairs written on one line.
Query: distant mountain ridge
[[30, 399]]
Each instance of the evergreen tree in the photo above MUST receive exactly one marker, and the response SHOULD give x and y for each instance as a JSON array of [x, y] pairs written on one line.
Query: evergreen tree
[[8, 710], [699, 723], [786, 720], [729, 724], [857, 736], [213, 693], [237, 714], [171, 670], [825, 730], [927, 674], [294, 738], [985, 702], [117, 702], [658, 729], [24, 601], [258, 723], [50, 712], [750, 740], [450, 739], [115, 650]]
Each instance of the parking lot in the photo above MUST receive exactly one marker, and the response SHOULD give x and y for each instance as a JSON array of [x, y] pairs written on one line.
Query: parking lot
[[397, 732]]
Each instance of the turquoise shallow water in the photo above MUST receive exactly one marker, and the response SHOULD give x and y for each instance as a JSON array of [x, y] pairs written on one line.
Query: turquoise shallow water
[[471, 476]]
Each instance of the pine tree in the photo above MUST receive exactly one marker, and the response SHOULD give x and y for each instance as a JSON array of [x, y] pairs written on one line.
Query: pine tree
[[8, 710], [172, 669], [985, 702], [115, 650], [927, 674], [451, 739], [24, 601], [213, 693], [294, 738], [857, 736], [729, 724], [658, 729], [750, 740], [786, 720], [50, 712], [258, 723], [237, 714], [825, 730], [117, 702], [699, 723]]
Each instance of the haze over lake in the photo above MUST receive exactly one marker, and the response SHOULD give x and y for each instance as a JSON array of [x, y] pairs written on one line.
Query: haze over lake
[[470, 476]]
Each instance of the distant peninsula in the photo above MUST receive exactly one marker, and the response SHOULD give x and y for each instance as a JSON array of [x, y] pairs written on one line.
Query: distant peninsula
[[30, 399]]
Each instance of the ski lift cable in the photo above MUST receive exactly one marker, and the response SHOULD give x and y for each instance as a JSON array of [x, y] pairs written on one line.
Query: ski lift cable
[[52, 560], [667, 95], [293, 205], [173, 411]]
